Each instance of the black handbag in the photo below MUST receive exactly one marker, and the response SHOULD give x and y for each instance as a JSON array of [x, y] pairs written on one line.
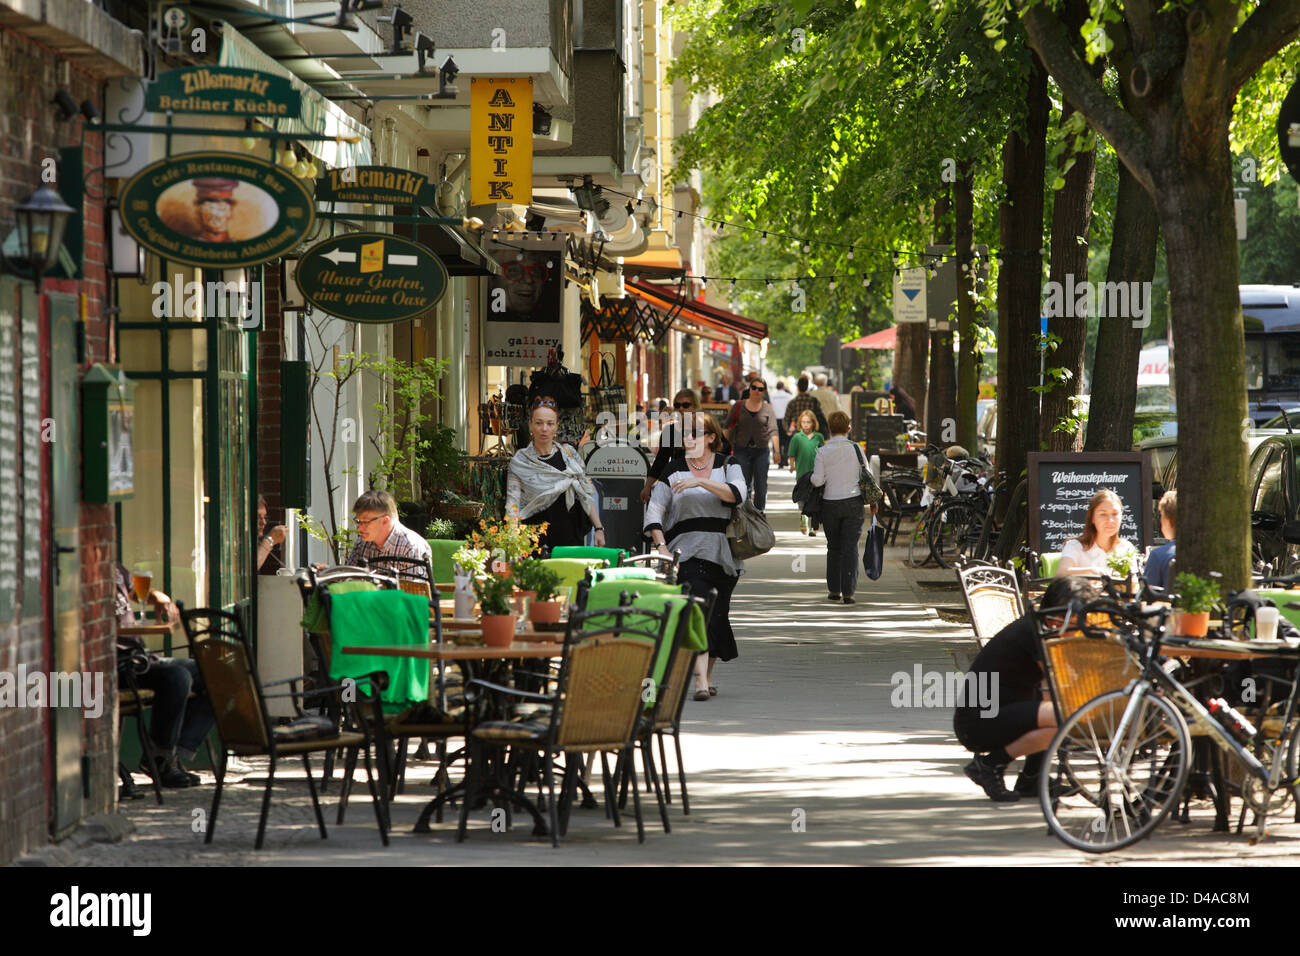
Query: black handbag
[[873, 551]]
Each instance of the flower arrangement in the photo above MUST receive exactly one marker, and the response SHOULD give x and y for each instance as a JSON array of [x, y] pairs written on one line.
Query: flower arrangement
[[507, 541], [494, 592], [469, 560]]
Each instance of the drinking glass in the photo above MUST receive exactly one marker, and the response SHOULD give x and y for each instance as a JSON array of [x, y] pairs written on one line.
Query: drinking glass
[[1266, 623], [142, 582]]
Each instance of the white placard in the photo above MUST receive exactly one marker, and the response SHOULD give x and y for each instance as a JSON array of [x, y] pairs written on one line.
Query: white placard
[[909, 295]]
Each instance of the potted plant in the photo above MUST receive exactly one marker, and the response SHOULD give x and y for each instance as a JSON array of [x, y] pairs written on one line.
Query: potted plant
[[1196, 596], [494, 599], [467, 563], [900, 441], [1121, 568], [542, 582], [506, 542]]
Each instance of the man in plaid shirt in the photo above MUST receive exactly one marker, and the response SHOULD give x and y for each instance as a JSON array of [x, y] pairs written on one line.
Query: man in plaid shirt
[[804, 402], [383, 535]]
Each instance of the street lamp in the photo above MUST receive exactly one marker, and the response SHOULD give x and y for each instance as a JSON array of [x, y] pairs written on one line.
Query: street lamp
[[40, 224]]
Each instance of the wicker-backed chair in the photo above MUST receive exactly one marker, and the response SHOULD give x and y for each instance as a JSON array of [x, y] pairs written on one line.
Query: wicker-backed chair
[[225, 660], [992, 596], [595, 708], [667, 566]]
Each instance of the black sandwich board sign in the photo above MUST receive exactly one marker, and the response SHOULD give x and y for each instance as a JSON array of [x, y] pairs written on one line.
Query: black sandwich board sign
[[1061, 484]]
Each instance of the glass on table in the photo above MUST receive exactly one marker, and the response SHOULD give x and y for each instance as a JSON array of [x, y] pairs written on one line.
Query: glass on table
[[142, 584]]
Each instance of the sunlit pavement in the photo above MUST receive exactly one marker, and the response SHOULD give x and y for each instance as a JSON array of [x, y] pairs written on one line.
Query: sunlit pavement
[[800, 759]]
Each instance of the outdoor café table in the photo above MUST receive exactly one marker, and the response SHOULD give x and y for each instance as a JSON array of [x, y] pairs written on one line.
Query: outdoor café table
[[165, 631], [1220, 649], [548, 644]]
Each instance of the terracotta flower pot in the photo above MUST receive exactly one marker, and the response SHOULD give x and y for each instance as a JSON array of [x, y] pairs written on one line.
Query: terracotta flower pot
[[498, 630], [545, 612], [1191, 625]]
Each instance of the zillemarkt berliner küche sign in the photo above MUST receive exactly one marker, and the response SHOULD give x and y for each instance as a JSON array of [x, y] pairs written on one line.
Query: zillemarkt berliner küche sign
[[371, 277], [216, 210], [223, 91]]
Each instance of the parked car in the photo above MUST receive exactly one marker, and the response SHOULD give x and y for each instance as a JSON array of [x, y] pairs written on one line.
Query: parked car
[[986, 432]]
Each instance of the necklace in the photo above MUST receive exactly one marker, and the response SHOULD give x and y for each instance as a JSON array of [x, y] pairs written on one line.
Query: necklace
[[704, 465]]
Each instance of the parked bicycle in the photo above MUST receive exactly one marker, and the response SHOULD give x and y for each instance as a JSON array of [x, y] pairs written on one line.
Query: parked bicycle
[[1119, 763]]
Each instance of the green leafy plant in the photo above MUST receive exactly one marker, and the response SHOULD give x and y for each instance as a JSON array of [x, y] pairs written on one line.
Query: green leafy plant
[[469, 560], [494, 593], [533, 575], [443, 528], [1196, 595], [1121, 565], [407, 442]]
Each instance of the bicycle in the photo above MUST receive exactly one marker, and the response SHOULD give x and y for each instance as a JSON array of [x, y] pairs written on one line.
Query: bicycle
[[965, 526], [951, 525], [1118, 764]]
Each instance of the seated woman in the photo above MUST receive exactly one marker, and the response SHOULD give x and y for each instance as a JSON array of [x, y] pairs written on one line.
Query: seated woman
[[1023, 723], [547, 483], [690, 507], [1100, 541]]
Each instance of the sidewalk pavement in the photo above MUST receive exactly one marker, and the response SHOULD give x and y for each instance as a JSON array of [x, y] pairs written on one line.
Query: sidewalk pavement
[[800, 759]]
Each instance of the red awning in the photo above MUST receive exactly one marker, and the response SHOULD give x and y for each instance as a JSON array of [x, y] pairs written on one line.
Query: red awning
[[706, 316], [884, 339]]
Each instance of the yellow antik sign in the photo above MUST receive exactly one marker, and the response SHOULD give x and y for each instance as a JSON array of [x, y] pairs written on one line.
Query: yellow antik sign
[[501, 141]]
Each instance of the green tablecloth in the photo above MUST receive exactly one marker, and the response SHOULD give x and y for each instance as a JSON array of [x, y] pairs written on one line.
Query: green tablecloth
[[314, 618], [377, 618], [623, 574], [614, 556], [652, 596], [443, 549]]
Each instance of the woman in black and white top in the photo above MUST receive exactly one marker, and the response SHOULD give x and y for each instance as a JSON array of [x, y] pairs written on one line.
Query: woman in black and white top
[[836, 469], [690, 507]]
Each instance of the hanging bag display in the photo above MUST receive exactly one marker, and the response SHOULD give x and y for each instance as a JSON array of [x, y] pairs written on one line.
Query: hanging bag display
[[611, 398]]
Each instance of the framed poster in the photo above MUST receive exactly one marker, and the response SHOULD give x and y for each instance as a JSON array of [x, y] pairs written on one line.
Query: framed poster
[[522, 319]]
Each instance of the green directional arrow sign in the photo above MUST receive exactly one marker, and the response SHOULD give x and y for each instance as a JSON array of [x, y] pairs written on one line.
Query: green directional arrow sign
[[371, 277]]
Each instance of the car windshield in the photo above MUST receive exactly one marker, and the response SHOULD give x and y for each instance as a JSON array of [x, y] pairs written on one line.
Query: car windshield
[[1273, 362]]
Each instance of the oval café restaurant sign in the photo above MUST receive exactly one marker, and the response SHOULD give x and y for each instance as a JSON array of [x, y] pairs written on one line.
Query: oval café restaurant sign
[[371, 277]]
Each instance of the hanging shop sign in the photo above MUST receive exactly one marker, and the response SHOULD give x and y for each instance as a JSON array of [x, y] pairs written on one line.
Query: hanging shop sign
[[501, 141], [373, 185], [522, 321], [371, 277], [216, 210], [223, 91]]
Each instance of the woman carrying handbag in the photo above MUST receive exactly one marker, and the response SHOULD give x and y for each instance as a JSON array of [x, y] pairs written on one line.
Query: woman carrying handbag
[[838, 471]]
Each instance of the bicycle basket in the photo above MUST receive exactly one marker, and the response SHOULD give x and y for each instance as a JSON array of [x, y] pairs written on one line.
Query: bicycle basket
[[1081, 668]]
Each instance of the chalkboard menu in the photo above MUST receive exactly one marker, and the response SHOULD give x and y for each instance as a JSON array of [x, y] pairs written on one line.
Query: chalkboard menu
[[878, 432], [863, 404], [1060, 486]]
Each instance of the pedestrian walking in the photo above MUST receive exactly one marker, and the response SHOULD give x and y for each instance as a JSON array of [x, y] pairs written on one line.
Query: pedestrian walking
[[836, 469], [755, 440], [670, 439], [690, 508], [803, 455], [780, 399], [547, 483], [803, 400]]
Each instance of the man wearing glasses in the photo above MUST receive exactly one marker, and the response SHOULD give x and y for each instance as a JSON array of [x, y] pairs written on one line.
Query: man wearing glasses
[[526, 281], [382, 534]]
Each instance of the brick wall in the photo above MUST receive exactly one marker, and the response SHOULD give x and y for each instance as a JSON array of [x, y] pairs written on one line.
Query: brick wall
[[29, 132]]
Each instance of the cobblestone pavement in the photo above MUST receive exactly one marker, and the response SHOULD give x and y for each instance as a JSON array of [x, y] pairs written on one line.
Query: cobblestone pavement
[[799, 759]]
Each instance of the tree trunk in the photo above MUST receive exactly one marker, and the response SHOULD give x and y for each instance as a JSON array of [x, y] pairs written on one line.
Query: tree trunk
[[1024, 159], [941, 400], [1071, 217], [968, 358], [911, 355], [1119, 337], [1195, 204]]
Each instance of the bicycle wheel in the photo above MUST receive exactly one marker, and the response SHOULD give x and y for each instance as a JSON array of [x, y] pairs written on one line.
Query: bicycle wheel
[[955, 532], [1097, 803], [918, 550]]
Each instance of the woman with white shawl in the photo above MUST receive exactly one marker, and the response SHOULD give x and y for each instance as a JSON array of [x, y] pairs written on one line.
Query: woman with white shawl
[[547, 483]]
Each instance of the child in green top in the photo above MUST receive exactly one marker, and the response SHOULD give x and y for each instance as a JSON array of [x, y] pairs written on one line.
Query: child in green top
[[803, 453]]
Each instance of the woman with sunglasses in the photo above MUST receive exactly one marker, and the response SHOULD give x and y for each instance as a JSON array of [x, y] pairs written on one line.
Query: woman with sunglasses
[[547, 483], [670, 440], [689, 510], [754, 436]]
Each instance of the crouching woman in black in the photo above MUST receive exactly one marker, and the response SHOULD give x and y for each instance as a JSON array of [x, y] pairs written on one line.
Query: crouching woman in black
[[1023, 722]]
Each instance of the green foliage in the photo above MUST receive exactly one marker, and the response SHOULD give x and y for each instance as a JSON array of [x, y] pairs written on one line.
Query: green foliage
[[532, 575], [494, 593], [1120, 565], [406, 439], [341, 540], [1196, 595], [443, 528]]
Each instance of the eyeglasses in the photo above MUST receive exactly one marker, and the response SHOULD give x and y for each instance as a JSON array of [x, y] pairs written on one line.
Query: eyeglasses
[[758, 388], [362, 522], [545, 403], [515, 271], [683, 405]]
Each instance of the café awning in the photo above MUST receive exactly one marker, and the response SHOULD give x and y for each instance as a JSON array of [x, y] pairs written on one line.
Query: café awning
[[884, 339], [698, 313]]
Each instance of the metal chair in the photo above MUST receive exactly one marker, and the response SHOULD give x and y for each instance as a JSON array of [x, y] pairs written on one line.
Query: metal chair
[[992, 596], [225, 660], [669, 565]]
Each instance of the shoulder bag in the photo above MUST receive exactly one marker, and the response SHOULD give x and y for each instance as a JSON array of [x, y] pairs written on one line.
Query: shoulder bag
[[870, 491], [748, 533]]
